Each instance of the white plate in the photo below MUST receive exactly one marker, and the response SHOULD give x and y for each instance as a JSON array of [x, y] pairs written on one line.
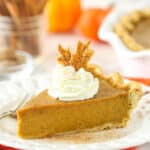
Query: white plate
[[136, 133]]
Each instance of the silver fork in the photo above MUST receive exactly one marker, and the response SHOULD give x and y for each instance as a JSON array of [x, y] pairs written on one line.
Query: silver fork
[[12, 112]]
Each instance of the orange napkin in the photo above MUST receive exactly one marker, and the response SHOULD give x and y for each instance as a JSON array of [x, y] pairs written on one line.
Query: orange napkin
[[141, 80], [2, 147], [132, 148]]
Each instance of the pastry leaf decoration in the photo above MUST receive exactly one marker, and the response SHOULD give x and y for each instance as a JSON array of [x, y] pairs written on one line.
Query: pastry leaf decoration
[[79, 59], [65, 56]]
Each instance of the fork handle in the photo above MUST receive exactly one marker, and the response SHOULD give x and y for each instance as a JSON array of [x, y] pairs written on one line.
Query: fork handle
[[6, 114]]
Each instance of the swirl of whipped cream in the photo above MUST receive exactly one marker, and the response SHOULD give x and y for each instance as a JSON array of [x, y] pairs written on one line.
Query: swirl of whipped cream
[[69, 84]]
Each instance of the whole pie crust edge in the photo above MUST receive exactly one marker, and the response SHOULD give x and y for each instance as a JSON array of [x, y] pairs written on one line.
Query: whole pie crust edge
[[127, 24]]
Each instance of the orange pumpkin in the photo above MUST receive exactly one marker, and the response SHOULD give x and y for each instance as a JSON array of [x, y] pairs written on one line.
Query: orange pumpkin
[[90, 21], [62, 14]]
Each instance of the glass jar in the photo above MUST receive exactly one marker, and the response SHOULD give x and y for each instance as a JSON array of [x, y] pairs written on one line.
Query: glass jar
[[21, 68], [22, 33]]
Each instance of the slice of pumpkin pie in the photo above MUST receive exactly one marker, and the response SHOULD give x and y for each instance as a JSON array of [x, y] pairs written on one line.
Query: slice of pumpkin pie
[[80, 97]]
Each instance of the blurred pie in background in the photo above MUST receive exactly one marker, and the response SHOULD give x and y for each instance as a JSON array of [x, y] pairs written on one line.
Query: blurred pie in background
[[134, 30]]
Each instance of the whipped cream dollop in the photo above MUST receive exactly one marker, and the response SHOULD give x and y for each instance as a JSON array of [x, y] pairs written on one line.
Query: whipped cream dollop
[[69, 84]]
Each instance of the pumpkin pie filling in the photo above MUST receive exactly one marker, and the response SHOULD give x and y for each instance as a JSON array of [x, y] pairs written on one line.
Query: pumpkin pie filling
[[45, 115], [141, 33]]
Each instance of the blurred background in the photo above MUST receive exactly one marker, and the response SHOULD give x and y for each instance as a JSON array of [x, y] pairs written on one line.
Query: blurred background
[[31, 30]]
